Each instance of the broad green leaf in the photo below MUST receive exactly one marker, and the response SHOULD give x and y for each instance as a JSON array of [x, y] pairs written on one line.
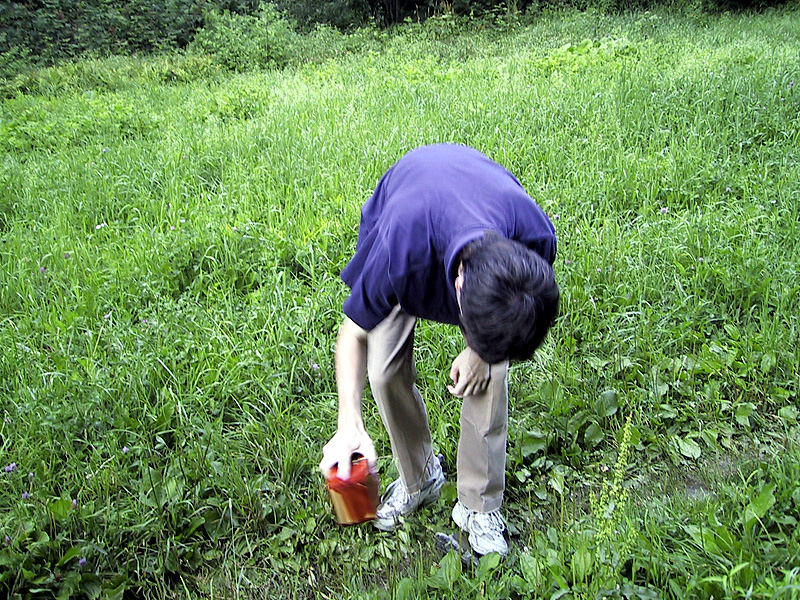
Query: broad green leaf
[[449, 570], [743, 412], [533, 442], [173, 490], [733, 332], [689, 448], [405, 589], [593, 435], [608, 404], [710, 436], [625, 363], [667, 412], [311, 525], [564, 588], [68, 555], [727, 541], [598, 364], [548, 390], [60, 508], [767, 362], [91, 585], [522, 475], [115, 589], [531, 569], [788, 413], [556, 482], [196, 522], [68, 586], [540, 491], [704, 537], [582, 562], [575, 422], [759, 506], [172, 560], [487, 564], [738, 568]]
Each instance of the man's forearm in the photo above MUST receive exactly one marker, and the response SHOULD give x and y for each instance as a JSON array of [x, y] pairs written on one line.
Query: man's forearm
[[351, 367]]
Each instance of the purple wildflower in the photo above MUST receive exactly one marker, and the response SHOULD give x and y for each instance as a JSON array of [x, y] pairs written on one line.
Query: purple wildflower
[[664, 210], [82, 562], [10, 468], [75, 503], [25, 495], [125, 449]]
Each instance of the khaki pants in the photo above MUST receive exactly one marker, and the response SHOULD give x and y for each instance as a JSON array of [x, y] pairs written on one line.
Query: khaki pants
[[484, 418]]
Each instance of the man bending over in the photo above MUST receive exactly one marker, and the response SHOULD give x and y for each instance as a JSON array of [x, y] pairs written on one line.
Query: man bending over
[[450, 236]]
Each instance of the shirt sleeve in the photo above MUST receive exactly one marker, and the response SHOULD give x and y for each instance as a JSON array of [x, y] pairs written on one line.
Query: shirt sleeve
[[372, 295], [544, 247]]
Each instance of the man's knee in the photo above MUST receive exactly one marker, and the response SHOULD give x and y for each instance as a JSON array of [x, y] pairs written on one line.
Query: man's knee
[[383, 381]]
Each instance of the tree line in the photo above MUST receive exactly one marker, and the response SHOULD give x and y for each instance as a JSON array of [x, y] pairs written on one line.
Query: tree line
[[48, 30]]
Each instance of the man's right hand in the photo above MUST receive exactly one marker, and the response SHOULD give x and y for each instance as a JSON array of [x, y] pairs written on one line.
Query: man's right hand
[[351, 436], [339, 450]]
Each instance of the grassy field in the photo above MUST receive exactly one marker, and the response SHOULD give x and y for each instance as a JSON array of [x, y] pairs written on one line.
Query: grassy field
[[169, 298]]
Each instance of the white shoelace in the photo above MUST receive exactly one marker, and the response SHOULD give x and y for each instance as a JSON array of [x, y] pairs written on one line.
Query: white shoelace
[[488, 523]]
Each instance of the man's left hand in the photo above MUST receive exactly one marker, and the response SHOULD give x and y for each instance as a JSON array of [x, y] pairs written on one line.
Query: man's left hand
[[470, 374]]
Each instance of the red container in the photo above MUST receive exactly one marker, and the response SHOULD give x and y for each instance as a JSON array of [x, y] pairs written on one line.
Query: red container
[[355, 500]]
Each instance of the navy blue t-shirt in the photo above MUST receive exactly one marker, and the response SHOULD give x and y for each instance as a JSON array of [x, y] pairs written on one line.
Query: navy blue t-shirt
[[425, 209]]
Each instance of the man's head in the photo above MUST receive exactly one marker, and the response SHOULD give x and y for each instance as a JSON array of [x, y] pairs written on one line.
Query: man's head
[[508, 297]]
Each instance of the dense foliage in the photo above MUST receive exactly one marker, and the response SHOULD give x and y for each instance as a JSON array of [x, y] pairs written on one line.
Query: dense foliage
[[48, 30], [68, 28]]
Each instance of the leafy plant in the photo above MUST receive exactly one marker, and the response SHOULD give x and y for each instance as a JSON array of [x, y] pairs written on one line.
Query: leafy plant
[[246, 42]]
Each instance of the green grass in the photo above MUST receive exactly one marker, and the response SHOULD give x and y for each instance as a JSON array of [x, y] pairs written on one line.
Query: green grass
[[169, 299]]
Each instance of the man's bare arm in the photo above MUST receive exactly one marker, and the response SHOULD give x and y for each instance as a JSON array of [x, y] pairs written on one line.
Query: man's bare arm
[[351, 436]]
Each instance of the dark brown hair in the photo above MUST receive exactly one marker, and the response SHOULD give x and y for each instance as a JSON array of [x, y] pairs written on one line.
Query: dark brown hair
[[509, 298]]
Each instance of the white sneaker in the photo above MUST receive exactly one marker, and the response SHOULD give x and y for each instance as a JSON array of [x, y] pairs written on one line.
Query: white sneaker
[[486, 530], [396, 502]]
